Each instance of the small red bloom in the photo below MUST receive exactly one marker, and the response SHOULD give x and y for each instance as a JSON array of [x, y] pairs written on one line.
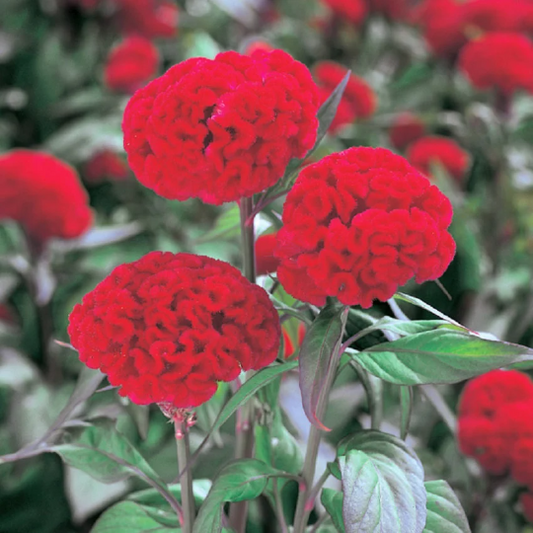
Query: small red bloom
[[105, 164], [131, 64], [405, 129], [255, 46], [359, 224], [265, 261], [436, 149], [168, 327], [353, 11], [221, 129], [499, 60], [43, 194], [147, 18], [358, 100]]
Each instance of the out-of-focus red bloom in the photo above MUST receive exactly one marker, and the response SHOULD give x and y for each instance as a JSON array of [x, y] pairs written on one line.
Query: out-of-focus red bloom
[[43, 194], [503, 61], [105, 164], [353, 11], [255, 46], [6, 314], [526, 501], [168, 327], [442, 24], [288, 348], [221, 129], [131, 64], [393, 9], [441, 150], [359, 224], [147, 18], [265, 261], [405, 129], [492, 15], [358, 99]]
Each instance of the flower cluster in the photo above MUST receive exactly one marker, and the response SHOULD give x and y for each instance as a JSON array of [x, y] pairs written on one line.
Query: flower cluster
[[43, 194], [358, 99], [265, 261], [168, 327], [405, 129], [105, 164], [496, 428], [360, 223], [131, 64], [499, 60], [221, 129], [444, 151]]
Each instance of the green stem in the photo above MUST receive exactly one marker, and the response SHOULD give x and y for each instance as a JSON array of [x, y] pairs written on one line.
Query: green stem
[[184, 457]]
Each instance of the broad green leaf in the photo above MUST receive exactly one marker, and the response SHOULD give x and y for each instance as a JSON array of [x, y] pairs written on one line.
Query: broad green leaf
[[383, 485], [332, 500], [131, 517], [240, 480], [318, 354], [439, 356], [444, 511]]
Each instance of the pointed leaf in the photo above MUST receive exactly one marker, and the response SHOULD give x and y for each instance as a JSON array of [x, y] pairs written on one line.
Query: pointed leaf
[[439, 356], [318, 354], [444, 511], [383, 485], [423, 305], [332, 501]]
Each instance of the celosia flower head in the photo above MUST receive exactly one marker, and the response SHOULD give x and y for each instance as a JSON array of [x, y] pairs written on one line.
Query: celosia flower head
[[353, 11], [105, 164], [359, 224], [265, 261], [168, 327], [434, 149], [358, 100], [503, 61], [147, 18], [44, 195], [221, 129], [131, 64], [405, 129]]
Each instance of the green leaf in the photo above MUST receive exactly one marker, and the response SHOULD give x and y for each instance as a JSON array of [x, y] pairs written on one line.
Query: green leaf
[[152, 498], [423, 305], [318, 354], [406, 410], [383, 485], [444, 511], [130, 517], [439, 356], [227, 225], [241, 480], [332, 500]]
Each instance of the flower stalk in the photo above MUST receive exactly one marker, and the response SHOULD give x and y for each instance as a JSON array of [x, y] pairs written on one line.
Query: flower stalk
[[181, 426]]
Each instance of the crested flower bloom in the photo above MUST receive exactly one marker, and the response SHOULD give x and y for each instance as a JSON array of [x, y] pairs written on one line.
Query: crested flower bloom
[[131, 64], [405, 129], [503, 61], [358, 100], [221, 129], [44, 195], [353, 11], [359, 224], [492, 15], [168, 327], [434, 149], [147, 18], [105, 164], [265, 261]]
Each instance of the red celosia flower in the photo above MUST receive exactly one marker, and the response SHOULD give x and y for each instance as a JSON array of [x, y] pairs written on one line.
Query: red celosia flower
[[405, 129], [168, 327], [105, 164], [499, 60], [265, 261], [492, 15], [441, 150], [358, 99], [255, 46], [43, 194], [353, 11], [357, 225], [148, 18], [131, 64], [221, 129], [526, 501]]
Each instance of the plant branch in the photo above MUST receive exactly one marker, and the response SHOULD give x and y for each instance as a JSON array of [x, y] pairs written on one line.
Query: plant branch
[[184, 457]]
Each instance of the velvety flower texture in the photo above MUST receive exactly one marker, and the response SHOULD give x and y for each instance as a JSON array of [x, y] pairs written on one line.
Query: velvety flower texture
[[265, 261], [131, 64], [357, 225], [168, 327], [44, 195], [432, 149], [405, 129], [221, 129], [147, 18], [358, 100], [105, 164], [353, 11], [499, 60]]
